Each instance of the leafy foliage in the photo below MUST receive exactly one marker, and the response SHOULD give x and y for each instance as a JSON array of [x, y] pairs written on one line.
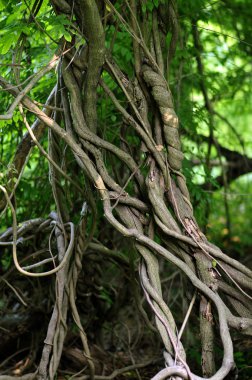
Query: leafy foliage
[[206, 48]]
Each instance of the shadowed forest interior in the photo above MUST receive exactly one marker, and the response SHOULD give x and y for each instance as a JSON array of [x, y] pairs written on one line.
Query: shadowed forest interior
[[125, 189]]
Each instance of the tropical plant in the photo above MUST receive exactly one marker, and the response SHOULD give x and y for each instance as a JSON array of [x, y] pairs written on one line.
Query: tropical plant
[[123, 130]]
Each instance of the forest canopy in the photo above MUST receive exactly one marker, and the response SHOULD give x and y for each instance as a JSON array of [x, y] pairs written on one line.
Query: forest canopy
[[125, 179]]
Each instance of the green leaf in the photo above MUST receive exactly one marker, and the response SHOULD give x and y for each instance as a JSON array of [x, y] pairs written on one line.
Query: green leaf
[[68, 36], [214, 264], [144, 8], [150, 6], [2, 5], [6, 42]]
